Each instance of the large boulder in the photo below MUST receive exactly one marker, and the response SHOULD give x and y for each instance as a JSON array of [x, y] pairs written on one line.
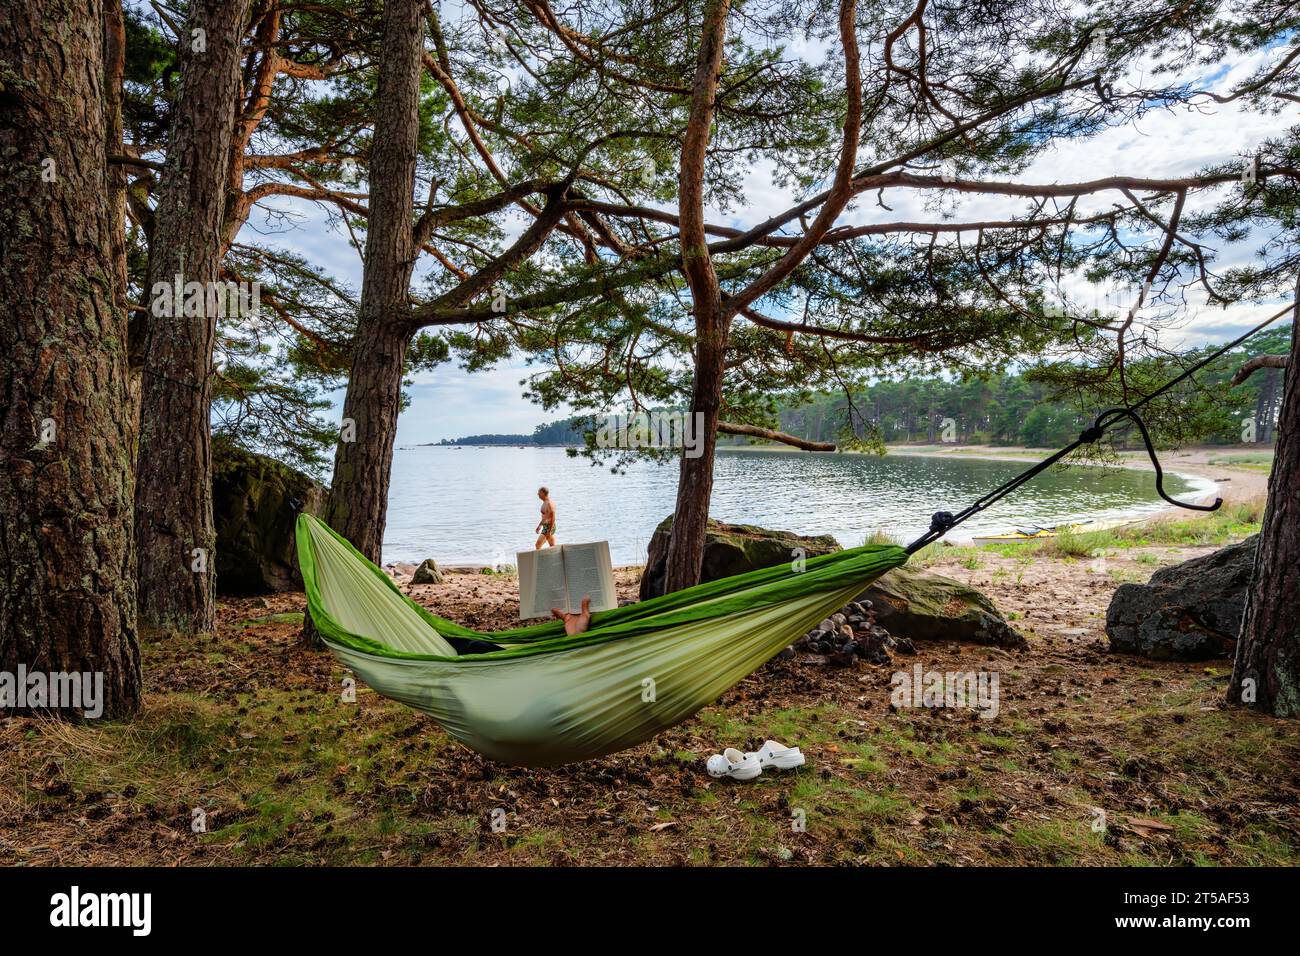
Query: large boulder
[[1187, 612], [732, 549], [255, 503], [922, 606]]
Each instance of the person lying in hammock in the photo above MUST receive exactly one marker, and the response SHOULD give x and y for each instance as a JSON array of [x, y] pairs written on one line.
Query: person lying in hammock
[[575, 623]]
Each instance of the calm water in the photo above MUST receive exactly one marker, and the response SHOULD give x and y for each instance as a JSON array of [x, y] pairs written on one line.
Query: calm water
[[479, 504]]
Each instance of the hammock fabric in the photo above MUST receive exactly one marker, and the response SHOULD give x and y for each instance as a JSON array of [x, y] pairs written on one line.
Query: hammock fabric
[[547, 698]]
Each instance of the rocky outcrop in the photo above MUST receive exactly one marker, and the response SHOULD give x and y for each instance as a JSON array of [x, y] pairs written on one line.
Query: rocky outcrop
[[1187, 612], [732, 549], [255, 503], [922, 606]]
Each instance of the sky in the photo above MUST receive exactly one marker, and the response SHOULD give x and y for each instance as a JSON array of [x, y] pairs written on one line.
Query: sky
[[448, 402]]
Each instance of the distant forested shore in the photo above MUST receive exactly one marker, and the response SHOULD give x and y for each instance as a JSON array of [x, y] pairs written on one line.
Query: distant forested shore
[[1005, 409]]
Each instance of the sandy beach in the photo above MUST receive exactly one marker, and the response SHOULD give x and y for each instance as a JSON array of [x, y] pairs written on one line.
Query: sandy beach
[[1234, 483]]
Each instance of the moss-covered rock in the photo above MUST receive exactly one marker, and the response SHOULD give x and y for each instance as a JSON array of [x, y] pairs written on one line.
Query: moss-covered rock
[[732, 549], [255, 503], [923, 606], [427, 573]]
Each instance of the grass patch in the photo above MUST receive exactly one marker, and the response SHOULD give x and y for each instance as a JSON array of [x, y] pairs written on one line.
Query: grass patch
[[1056, 842], [1251, 461], [882, 537], [290, 617]]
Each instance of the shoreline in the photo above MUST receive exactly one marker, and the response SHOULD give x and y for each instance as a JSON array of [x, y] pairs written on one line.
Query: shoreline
[[1195, 461], [1191, 464]]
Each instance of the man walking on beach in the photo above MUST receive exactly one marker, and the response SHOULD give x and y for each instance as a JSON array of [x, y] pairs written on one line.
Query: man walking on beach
[[546, 527]]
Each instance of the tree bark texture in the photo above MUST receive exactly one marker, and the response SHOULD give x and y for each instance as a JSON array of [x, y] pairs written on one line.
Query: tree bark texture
[[714, 311], [695, 476], [363, 465], [1266, 672], [174, 527], [67, 565]]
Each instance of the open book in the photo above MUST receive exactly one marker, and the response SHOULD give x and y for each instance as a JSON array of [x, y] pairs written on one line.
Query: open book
[[561, 577]]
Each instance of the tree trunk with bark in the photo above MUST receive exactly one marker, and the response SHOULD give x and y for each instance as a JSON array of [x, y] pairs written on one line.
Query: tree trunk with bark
[[363, 459], [695, 478], [1266, 673], [363, 465], [114, 67], [1266, 406], [714, 311], [174, 527], [358, 499], [114, 70], [66, 552], [685, 557]]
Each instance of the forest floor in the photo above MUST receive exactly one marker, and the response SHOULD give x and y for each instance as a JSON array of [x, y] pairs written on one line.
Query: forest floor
[[1092, 759]]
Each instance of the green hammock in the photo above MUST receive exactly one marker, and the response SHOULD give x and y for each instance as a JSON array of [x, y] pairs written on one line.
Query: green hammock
[[547, 698]]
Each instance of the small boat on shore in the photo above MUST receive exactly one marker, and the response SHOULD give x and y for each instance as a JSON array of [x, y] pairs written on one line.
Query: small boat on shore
[[1036, 533]]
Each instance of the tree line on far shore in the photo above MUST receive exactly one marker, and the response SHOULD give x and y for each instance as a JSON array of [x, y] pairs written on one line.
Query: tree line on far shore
[[1032, 409], [1019, 408]]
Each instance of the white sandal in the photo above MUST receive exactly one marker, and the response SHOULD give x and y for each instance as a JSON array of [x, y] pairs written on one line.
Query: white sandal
[[778, 755], [734, 764]]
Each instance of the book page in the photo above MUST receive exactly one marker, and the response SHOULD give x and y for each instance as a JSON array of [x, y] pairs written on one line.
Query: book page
[[590, 572], [541, 582]]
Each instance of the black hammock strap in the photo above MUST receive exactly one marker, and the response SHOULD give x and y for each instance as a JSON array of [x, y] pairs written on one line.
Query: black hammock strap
[[944, 521]]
